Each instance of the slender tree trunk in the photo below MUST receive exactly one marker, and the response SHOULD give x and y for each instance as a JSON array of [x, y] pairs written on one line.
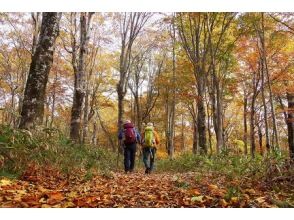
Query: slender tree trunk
[[259, 137], [267, 143], [252, 131], [209, 117], [245, 125], [183, 134], [53, 100], [201, 117], [195, 137], [86, 114], [252, 116], [94, 135], [290, 124], [275, 131], [34, 97], [120, 109]]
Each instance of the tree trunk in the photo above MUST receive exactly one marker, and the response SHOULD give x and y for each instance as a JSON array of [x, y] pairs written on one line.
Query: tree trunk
[[195, 137], [252, 132], [267, 143], [183, 135], [264, 55], [120, 109], [201, 117], [290, 124], [259, 137], [53, 101], [94, 135], [79, 84], [245, 125], [86, 113], [34, 97]]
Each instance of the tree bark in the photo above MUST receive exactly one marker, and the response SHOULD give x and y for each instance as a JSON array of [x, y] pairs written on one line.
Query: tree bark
[[34, 97]]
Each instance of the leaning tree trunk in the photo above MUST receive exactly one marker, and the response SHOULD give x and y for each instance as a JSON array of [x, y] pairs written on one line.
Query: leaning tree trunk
[[34, 97], [290, 124]]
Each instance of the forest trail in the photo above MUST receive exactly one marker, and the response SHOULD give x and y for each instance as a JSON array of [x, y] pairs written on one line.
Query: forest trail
[[130, 190]]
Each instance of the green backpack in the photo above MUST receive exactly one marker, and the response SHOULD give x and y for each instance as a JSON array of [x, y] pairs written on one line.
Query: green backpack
[[149, 137]]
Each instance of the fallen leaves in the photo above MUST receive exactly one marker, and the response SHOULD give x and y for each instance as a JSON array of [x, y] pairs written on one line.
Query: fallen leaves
[[129, 190]]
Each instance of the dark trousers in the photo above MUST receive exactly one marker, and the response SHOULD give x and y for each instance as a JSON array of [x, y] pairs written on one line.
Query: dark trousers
[[148, 157], [129, 156]]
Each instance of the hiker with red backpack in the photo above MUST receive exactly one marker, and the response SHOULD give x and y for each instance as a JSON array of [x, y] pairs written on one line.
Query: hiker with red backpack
[[129, 137], [150, 140]]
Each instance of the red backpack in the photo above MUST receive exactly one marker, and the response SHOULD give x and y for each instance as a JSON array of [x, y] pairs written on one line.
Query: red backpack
[[129, 134]]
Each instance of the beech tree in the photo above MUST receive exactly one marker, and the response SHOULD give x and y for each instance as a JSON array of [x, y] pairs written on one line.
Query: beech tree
[[78, 52], [34, 95]]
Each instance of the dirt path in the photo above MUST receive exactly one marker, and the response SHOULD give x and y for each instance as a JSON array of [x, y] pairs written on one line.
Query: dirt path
[[127, 190]]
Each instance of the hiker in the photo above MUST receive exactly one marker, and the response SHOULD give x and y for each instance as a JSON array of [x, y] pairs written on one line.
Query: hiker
[[150, 140], [128, 138]]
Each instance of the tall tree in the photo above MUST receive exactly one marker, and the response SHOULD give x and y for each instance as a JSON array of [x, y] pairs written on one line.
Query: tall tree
[[78, 61], [130, 26], [34, 96], [171, 104], [193, 33]]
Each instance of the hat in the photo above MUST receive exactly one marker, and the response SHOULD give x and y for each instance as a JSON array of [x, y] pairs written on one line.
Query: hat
[[127, 121], [150, 124]]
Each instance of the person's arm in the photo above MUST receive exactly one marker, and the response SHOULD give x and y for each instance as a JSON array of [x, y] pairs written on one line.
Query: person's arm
[[138, 137], [120, 135]]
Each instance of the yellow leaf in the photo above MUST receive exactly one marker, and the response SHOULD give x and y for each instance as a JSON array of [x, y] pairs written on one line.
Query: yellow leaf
[[212, 187], [72, 194], [250, 191], [197, 199], [69, 205], [5, 182], [223, 203], [46, 206], [234, 199], [260, 199]]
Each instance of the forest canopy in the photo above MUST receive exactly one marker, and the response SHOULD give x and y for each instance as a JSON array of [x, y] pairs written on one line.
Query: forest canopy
[[208, 81]]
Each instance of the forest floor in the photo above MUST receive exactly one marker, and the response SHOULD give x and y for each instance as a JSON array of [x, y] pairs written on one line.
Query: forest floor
[[49, 188]]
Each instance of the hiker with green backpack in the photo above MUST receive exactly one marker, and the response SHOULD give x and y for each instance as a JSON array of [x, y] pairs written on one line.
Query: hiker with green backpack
[[150, 140]]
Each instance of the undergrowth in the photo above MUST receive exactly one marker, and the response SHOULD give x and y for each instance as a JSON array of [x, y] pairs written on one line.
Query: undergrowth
[[230, 165], [48, 147]]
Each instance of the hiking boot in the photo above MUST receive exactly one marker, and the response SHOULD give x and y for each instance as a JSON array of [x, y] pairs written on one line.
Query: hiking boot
[[147, 171]]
